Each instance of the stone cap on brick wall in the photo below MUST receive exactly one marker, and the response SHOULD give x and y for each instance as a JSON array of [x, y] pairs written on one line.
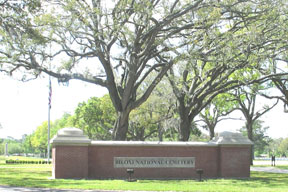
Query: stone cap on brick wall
[[231, 138], [75, 136], [152, 143], [70, 136]]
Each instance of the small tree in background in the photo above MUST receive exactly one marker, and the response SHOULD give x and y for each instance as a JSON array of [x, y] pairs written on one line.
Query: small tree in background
[[283, 148], [221, 106], [273, 148], [246, 98], [261, 140], [96, 117], [27, 145]]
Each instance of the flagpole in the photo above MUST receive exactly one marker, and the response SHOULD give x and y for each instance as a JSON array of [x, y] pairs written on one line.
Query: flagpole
[[49, 108]]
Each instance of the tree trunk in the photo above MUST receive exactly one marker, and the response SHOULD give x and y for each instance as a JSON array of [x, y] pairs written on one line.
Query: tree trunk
[[160, 132], [184, 131], [185, 123], [249, 126], [121, 126], [211, 132]]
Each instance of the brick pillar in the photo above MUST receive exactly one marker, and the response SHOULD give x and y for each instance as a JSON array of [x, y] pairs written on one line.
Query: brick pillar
[[70, 154], [234, 154]]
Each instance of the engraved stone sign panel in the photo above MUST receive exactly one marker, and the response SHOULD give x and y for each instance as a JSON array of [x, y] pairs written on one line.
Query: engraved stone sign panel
[[154, 162]]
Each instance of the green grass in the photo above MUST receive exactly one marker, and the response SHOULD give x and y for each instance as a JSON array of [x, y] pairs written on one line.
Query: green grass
[[35, 175], [39, 177], [282, 166]]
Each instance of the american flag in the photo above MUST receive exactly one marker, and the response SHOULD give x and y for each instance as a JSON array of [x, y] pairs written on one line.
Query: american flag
[[50, 93]]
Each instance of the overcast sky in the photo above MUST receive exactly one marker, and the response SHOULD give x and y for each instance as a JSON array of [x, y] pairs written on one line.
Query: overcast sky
[[24, 106]]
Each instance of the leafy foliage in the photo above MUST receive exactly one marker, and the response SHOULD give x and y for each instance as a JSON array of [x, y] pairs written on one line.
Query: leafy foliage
[[96, 118], [39, 139], [37, 142], [209, 47], [261, 140], [216, 111], [15, 146], [112, 44], [283, 147], [227, 54]]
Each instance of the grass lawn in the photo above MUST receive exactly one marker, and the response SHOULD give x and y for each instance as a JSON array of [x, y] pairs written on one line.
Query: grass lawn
[[39, 177], [282, 166]]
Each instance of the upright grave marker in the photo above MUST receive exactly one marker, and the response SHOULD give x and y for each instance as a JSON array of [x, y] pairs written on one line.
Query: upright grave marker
[[6, 149]]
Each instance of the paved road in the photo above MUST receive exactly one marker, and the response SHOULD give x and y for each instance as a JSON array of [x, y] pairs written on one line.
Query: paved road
[[269, 162], [269, 169]]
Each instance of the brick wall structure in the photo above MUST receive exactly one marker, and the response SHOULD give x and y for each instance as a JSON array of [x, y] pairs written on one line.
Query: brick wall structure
[[75, 156]]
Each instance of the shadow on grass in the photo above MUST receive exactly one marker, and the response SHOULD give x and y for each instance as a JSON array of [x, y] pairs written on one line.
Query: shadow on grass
[[257, 180]]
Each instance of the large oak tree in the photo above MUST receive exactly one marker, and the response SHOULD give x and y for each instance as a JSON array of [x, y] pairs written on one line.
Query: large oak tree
[[113, 44], [117, 44], [228, 56]]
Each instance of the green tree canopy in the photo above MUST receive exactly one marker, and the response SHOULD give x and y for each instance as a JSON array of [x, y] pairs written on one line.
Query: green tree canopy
[[230, 55], [221, 106], [113, 44], [96, 117], [38, 140], [117, 44], [283, 147], [261, 140]]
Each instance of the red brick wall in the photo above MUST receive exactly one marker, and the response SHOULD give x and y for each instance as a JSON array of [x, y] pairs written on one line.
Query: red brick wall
[[97, 161], [70, 161], [235, 161], [101, 161]]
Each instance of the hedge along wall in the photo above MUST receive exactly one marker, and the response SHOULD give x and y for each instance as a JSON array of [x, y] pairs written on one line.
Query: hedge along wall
[[75, 156], [10, 161]]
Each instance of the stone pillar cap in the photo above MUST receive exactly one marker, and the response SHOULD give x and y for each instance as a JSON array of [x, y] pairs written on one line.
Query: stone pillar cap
[[70, 131], [231, 138], [70, 136]]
